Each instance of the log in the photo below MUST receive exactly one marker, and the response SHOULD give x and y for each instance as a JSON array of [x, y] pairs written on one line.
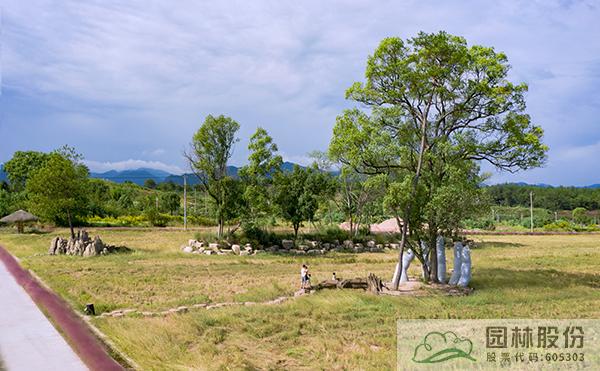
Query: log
[[354, 283]]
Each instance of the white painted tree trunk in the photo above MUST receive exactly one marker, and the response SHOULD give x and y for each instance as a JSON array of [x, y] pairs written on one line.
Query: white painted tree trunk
[[465, 269], [407, 258], [458, 246], [441, 259]]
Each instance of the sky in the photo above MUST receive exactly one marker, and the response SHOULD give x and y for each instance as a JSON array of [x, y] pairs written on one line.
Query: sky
[[128, 84]]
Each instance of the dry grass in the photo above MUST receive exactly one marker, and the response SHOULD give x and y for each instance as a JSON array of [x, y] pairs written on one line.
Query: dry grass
[[513, 277]]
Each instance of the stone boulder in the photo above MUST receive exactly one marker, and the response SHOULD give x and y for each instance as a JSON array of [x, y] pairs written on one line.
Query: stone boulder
[[287, 244], [236, 249], [81, 245]]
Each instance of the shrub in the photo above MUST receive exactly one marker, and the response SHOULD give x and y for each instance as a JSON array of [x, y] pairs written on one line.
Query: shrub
[[155, 218]]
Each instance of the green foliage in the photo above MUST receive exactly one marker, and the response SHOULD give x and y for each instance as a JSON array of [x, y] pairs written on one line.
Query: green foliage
[[58, 190], [22, 165], [298, 193], [150, 183], [567, 226], [170, 202], [263, 164], [212, 147], [553, 198], [580, 215], [155, 218]]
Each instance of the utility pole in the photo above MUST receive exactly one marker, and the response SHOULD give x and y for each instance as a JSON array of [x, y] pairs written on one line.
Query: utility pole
[[184, 202], [531, 208]]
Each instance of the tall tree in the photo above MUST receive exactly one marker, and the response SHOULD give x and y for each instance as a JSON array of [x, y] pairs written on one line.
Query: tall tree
[[263, 164], [434, 100], [57, 190], [211, 149]]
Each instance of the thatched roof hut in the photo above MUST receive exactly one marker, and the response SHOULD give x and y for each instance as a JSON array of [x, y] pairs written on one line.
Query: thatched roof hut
[[19, 218]]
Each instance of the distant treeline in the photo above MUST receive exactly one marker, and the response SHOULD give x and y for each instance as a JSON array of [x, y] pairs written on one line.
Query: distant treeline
[[551, 198]]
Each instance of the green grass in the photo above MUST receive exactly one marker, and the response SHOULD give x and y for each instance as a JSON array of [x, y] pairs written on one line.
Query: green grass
[[513, 277]]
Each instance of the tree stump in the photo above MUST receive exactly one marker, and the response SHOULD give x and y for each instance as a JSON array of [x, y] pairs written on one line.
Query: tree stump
[[374, 283]]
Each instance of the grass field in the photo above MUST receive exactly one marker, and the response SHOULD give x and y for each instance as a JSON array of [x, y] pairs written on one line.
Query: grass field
[[513, 277]]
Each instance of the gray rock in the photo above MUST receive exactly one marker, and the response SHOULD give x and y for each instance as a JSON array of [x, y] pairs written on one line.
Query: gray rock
[[370, 244], [244, 253], [188, 249], [191, 242], [197, 245], [214, 246], [287, 244], [235, 249]]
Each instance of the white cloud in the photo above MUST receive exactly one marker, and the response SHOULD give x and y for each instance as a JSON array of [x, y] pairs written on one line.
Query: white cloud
[[131, 164]]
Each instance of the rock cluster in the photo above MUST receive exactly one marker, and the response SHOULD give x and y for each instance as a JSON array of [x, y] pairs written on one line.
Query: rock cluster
[[81, 245], [200, 247], [287, 247]]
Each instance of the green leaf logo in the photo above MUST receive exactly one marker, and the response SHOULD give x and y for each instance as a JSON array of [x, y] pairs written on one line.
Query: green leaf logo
[[440, 347]]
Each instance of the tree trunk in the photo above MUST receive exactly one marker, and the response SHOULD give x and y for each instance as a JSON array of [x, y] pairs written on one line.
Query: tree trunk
[[413, 192], [374, 284], [296, 227], [221, 227], [433, 263], [70, 224], [396, 281]]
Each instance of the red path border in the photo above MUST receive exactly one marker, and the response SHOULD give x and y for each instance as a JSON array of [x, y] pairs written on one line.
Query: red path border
[[93, 353]]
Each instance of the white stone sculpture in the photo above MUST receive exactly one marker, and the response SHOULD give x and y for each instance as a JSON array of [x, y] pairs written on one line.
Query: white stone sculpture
[[465, 268], [441, 259], [407, 258], [458, 246]]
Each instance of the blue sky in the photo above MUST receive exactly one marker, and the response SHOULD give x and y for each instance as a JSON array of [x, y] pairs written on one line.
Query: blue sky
[[128, 85]]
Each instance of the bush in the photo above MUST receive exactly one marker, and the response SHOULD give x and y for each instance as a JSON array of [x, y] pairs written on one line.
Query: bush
[[120, 221], [257, 236], [155, 218], [567, 226]]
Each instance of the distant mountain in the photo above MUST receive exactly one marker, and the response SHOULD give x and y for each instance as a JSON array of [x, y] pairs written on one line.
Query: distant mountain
[[592, 186], [232, 171], [137, 176]]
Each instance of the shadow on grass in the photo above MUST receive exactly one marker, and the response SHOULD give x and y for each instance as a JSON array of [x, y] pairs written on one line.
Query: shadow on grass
[[488, 244], [500, 278]]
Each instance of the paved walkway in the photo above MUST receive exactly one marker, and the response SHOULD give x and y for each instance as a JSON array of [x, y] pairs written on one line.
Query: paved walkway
[[28, 341]]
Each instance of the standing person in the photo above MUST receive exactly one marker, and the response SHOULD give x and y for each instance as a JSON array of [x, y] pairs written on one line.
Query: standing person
[[304, 276]]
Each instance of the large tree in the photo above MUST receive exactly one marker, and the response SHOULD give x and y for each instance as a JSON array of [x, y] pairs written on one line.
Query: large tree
[[57, 190], [211, 149], [434, 101]]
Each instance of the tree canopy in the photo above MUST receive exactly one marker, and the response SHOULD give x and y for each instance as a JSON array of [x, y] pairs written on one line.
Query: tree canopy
[[57, 190]]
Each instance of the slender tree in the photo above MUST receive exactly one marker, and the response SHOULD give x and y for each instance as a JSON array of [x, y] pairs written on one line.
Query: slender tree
[[211, 149], [263, 164]]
